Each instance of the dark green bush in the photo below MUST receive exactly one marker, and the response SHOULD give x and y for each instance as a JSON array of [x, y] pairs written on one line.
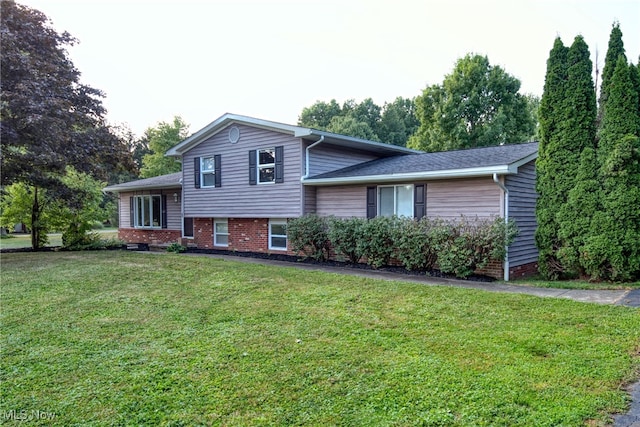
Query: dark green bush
[[473, 243], [176, 248], [416, 243], [344, 235], [377, 240], [77, 236], [308, 235]]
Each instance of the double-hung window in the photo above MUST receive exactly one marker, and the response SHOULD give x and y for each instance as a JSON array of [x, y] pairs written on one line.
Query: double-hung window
[[395, 200], [221, 232], [266, 165], [207, 171], [147, 211], [278, 234]]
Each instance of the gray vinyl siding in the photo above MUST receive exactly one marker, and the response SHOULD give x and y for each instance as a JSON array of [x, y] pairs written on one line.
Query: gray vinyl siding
[[522, 209], [448, 199], [343, 202], [325, 158], [236, 198], [310, 199], [174, 217]]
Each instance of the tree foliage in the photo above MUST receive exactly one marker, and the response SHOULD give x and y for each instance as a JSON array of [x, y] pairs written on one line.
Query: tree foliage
[[49, 119], [614, 50], [612, 248], [477, 105], [393, 123], [160, 139], [549, 164], [589, 191], [16, 206]]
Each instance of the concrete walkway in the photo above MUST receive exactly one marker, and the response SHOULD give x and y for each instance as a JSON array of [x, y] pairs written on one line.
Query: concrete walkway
[[629, 298]]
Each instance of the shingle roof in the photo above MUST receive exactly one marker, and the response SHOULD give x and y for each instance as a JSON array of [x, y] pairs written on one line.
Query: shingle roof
[[163, 181], [498, 159]]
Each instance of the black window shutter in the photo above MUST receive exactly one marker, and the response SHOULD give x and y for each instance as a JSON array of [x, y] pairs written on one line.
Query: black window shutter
[[279, 164], [419, 201], [372, 202], [163, 210], [253, 177], [218, 159], [196, 172], [131, 212]]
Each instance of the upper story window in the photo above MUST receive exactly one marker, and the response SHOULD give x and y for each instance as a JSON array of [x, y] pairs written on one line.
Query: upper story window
[[207, 172], [395, 200], [266, 165], [147, 211]]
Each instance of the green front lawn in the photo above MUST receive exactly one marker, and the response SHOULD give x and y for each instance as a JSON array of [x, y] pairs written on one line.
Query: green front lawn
[[119, 338], [15, 241]]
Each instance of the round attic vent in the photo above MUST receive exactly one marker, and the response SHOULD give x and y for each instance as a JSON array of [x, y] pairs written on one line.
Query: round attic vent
[[234, 134]]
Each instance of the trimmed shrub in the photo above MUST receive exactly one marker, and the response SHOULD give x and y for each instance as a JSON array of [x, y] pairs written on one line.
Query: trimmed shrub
[[377, 240], [344, 235], [417, 242], [472, 244], [308, 235]]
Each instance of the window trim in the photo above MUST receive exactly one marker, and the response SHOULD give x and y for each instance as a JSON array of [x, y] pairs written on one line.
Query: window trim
[[136, 199], [204, 172], [216, 234], [265, 165], [184, 228], [276, 221], [395, 198]]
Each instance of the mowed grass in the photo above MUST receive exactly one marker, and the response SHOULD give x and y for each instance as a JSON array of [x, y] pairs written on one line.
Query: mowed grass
[[119, 338], [19, 240]]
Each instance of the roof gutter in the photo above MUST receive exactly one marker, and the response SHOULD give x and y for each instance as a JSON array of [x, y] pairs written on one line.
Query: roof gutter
[[505, 190], [399, 177], [306, 166]]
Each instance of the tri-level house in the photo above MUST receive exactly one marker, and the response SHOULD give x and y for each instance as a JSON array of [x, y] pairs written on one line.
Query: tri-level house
[[242, 178]]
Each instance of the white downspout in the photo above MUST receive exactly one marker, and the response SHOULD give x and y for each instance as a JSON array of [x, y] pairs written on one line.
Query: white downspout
[[506, 219], [306, 166]]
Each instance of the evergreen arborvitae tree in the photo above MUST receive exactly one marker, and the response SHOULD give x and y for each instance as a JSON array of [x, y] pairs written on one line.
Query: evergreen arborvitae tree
[[579, 171], [612, 251], [552, 184], [582, 204], [634, 73], [614, 50]]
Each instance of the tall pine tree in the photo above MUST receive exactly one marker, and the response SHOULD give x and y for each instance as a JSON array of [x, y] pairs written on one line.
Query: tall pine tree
[[578, 167], [552, 185], [612, 250], [614, 50]]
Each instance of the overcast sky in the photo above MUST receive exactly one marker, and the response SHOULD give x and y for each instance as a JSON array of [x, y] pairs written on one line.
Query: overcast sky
[[269, 59]]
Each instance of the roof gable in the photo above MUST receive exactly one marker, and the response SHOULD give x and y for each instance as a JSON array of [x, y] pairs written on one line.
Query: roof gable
[[297, 131]]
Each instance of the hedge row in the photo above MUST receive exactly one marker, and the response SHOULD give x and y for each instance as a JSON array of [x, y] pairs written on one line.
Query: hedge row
[[454, 247]]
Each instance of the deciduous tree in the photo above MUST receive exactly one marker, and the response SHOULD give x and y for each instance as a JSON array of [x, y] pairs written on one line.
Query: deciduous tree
[[477, 105], [49, 119], [160, 139]]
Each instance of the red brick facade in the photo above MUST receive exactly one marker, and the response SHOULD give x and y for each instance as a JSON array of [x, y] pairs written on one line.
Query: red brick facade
[[252, 235], [245, 235], [526, 270], [150, 236]]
